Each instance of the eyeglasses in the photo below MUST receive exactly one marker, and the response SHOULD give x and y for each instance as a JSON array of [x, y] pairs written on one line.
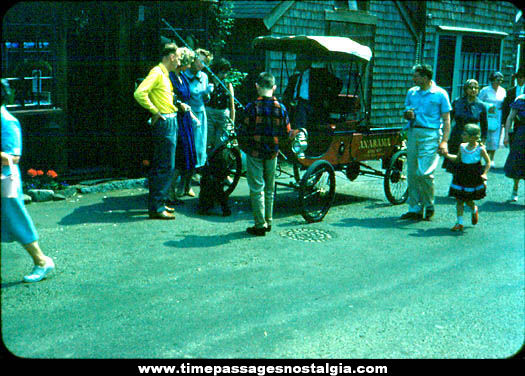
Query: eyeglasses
[[473, 87]]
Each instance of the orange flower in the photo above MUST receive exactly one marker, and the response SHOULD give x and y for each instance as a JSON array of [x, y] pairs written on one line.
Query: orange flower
[[145, 163], [39, 172], [52, 174], [32, 172]]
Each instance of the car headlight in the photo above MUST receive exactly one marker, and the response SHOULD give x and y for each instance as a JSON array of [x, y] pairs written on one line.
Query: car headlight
[[224, 137], [300, 143]]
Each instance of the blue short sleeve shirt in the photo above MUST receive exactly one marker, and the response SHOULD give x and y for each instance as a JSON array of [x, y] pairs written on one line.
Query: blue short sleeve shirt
[[428, 105]]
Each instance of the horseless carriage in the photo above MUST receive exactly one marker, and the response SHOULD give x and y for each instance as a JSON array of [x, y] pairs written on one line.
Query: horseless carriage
[[344, 142]]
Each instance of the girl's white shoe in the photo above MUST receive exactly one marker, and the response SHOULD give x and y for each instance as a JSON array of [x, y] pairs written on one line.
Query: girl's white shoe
[[40, 272]]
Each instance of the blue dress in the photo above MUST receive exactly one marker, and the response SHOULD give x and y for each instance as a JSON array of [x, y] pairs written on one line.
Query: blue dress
[[515, 163], [16, 222], [185, 155], [198, 89]]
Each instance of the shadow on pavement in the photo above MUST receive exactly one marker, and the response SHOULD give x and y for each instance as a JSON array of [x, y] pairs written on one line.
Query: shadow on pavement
[[378, 222], [11, 284], [111, 210], [495, 206], [436, 232], [200, 241]]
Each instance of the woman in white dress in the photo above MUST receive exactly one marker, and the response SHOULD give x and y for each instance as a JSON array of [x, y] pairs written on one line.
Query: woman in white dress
[[493, 96]]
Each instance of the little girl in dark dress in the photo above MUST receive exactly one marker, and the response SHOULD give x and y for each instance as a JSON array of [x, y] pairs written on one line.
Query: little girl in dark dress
[[469, 179]]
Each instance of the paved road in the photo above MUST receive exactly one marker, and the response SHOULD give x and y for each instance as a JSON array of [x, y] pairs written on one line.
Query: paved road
[[199, 287]]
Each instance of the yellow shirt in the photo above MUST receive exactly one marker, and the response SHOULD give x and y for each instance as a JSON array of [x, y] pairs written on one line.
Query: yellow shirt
[[155, 93]]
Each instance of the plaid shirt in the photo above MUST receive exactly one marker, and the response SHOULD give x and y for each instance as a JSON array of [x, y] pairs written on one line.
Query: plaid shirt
[[262, 124]]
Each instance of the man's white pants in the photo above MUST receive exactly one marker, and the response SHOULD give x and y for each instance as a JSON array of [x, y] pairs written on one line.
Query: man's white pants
[[422, 159]]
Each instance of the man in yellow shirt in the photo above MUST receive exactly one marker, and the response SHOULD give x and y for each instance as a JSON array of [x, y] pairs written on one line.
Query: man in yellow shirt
[[156, 95]]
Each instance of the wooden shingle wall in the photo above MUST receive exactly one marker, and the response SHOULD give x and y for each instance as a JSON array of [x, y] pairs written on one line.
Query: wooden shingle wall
[[304, 17], [485, 15], [395, 46], [394, 56]]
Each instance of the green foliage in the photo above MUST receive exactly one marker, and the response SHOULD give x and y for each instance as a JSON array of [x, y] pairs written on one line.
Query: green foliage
[[220, 29], [221, 24], [235, 77]]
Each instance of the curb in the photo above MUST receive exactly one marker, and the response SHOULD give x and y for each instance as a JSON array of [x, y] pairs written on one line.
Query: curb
[[113, 186], [83, 189]]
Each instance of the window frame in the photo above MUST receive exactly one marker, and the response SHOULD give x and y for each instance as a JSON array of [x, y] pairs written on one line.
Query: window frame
[[459, 33]]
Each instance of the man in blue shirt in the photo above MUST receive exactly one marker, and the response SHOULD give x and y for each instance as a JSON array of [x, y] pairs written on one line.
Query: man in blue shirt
[[427, 109]]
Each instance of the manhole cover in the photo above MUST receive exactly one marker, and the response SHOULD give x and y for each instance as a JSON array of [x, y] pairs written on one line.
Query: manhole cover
[[307, 235]]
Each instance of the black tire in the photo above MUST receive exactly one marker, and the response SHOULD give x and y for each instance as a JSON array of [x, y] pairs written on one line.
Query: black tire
[[234, 165], [396, 183], [317, 191]]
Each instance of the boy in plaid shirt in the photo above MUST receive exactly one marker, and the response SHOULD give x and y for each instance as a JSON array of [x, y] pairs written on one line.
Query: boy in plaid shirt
[[263, 123]]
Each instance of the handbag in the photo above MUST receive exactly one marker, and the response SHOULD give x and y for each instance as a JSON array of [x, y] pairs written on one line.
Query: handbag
[[492, 122], [10, 183]]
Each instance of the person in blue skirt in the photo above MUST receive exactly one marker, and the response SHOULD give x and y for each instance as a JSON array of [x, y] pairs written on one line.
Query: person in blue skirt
[[16, 222], [515, 163], [200, 90]]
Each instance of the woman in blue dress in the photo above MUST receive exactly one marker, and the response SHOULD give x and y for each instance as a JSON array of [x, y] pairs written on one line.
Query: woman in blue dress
[[16, 222], [185, 154], [200, 90]]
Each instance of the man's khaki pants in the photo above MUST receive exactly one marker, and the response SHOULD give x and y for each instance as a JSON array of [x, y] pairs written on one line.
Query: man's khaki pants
[[260, 174], [422, 159]]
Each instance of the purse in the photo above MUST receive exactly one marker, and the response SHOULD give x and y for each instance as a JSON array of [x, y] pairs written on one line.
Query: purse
[[10, 183]]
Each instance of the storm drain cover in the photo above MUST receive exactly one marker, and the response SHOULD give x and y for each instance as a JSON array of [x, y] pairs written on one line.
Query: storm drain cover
[[307, 235]]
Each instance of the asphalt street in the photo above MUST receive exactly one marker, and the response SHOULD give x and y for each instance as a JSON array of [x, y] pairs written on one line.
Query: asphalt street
[[372, 286]]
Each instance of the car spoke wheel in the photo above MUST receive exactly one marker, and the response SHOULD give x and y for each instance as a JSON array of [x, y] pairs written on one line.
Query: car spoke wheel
[[396, 183], [317, 191], [233, 162]]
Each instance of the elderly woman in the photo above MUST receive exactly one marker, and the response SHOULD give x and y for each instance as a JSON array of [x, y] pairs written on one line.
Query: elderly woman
[[465, 109], [515, 164], [200, 90], [493, 96], [16, 222]]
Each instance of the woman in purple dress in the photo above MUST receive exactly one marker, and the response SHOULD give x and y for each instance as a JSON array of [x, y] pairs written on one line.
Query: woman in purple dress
[[185, 155]]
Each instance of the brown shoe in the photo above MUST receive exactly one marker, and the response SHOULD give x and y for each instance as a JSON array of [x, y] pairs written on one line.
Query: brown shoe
[[161, 215], [412, 215], [256, 231]]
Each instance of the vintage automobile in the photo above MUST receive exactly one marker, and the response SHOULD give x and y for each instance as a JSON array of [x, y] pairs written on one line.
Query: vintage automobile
[[345, 141], [342, 143]]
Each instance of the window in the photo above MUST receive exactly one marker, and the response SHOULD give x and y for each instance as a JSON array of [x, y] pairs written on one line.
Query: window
[[479, 58], [29, 54], [460, 57], [27, 64]]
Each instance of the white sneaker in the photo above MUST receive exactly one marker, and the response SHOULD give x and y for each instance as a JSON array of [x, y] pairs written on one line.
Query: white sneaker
[[514, 197], [492, 165], [40, 272]]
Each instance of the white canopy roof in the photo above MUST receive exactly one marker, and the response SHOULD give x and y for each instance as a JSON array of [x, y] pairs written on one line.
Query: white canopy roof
[[324, 47]]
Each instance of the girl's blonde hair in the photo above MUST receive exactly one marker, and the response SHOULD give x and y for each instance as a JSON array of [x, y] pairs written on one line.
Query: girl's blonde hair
[[207, 55], [186, 55]]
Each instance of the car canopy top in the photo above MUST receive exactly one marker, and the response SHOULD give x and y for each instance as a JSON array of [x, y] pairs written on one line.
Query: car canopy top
[[319, 47]]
